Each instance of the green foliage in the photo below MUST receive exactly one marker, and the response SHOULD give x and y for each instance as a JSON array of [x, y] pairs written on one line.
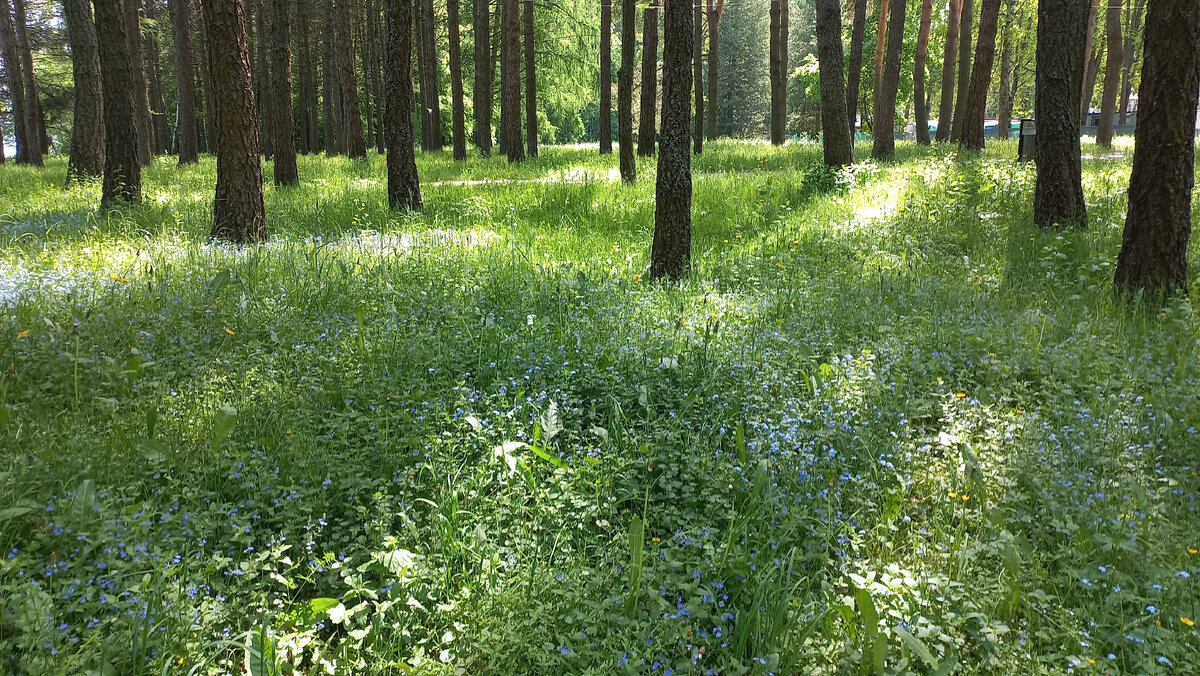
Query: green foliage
[[886, 425]]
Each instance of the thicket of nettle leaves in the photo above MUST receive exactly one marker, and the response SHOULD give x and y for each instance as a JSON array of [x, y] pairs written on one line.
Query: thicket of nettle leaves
[[887, 425]]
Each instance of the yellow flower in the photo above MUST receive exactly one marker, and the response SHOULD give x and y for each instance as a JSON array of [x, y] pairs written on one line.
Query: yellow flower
[[229, 331], [26, 333], [966, 497], [656, 539], [1187, 621], [1191, 550], [953, 494], [961, 395]]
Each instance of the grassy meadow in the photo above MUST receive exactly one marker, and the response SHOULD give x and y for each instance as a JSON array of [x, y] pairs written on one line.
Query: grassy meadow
[[886, 426]]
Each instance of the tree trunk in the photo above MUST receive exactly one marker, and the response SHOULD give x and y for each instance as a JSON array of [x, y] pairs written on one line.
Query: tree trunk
[[87, 134], [1061, 30], [485, 76], [625, 90], [185, 87], [946, 106], [697, 76], [777, 34], [280, 68], [377, 36], [1091, 64], [238, 213], [649, 96], [458, 113], [510, 80], [1153, 254], [122, 164], [1130, 53], [919, 99], [671, 250], [981, 76], [964, 69], [714, 62], [33, 97], [430, 89], [158, 102], [307, 87], [1112, 75], [885, 116], [367, 100], [837, 142], [854, 74], [531, 121], [29, 149], [1004, 99], [331, 71], [210, 115], [141, 96], [880, 42], [404, 185], [262, 77], [605, 130], [356, 147]]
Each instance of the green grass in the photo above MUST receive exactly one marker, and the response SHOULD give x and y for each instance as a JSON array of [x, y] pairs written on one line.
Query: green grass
[[885, 421]]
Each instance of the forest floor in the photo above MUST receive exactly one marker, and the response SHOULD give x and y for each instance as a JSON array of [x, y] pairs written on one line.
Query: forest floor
[[887, 421]]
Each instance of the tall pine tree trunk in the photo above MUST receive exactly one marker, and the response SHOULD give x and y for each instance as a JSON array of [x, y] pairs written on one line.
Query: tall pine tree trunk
[[605, 130], [625, 90], [963, 87], [458, 114], [649, 95], [1061, 31], [1112, 75], [776, 34], [698, 75], [531, 121], [670, 252], [122, 163], [141, 96], [356, 148], [185, 83], [1134, 22], [880, 43], [981, 76], [510, 80], [261, 75], [1091, 63], [920, 102], [309, 141], [404, 185], [158, 101], [431, 96], [238, 213], [714, 63], [485, 76], [33, 96], [331, 87], [29, 148], [1153, 254], [854, 72], [285, 172], [946, 106], [885, 117], [836, 139], [87, 134], [1004, 99]]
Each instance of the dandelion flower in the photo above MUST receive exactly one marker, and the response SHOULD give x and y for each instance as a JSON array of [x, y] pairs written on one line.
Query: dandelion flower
[[1188, 621], [26, 333], [229, 331]]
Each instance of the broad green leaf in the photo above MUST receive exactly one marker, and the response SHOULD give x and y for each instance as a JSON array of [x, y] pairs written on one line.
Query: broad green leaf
[[85, 496], [13, 512], [917, 647]]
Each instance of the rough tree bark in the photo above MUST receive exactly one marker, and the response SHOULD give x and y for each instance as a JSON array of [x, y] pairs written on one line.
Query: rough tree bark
[[625, 90], [880, 43], [260, 74], [531, 121], [1091, 63], [1134, 23], [946, 106], [1058, 197], [854, 72], [331, 101], [122, 165], [1153, 256], [981, 76], [671, 250], [1003, 95], [280, 68], [605, 130], [238, 213], [963, 88], [837, 142], [510, 78], [777, 48], [404, 185], [356, 145], [458, 113], [430, 87], [209, 144], [87, 134], [185, 87], [885, 117], [309, 140], [141, 95], [158, 102], [29, 149], [649, 96], [714, 62], [1112, 75], [698, 76], [33, 96], [485, 75], [920, 103]]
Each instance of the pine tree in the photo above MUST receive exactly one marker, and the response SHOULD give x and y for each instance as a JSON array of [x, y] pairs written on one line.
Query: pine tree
[[1058, 196], [185, 115], [981, 76], [671, 250], [837, 143], [404, 185], [122, 162], [87, 134], [279, 39], [884, 124], [625, 91]]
